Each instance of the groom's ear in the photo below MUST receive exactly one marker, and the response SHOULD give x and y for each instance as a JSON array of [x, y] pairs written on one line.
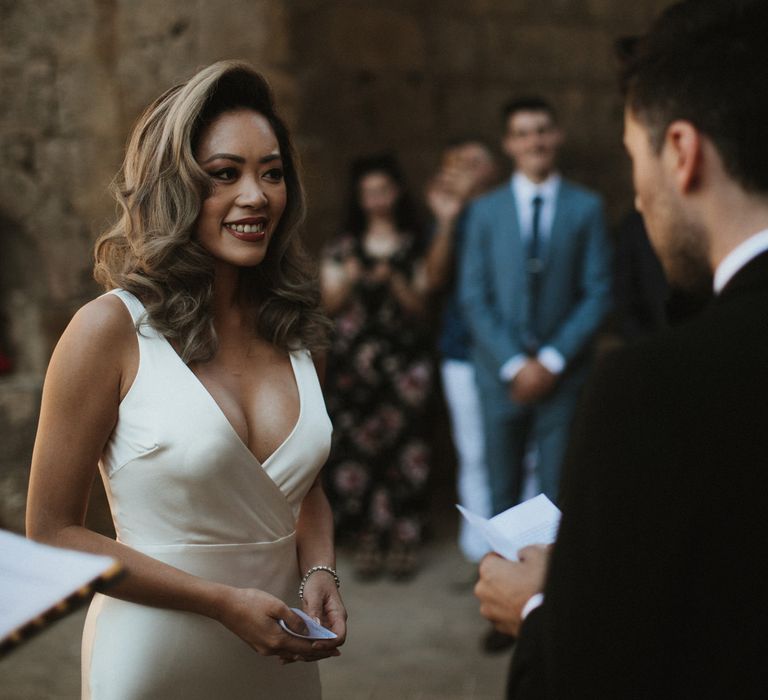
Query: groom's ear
[[682, 153]]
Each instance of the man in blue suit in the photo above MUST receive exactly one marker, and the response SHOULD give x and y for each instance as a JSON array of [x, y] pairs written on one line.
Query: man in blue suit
[[534, 286]]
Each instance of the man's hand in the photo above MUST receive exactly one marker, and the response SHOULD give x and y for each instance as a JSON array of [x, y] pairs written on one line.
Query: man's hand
[[504, 586], [532, 383]]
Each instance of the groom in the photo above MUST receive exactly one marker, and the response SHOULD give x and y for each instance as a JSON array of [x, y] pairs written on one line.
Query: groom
[[656, 584]]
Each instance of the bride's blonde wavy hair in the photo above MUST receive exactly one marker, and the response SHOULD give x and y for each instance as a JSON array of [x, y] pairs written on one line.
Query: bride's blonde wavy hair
[[152, 249]]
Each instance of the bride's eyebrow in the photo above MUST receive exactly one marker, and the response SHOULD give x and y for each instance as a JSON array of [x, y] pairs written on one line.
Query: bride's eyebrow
[[239, 159], [224, 156]]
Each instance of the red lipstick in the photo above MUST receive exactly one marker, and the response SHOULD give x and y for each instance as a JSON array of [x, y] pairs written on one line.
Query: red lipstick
[[250, 229]]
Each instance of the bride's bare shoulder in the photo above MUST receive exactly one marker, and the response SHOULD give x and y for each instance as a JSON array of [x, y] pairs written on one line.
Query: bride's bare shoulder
[[100, 337], [106, 319]]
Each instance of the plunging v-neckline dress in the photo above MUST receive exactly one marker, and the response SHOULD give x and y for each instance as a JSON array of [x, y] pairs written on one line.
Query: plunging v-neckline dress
[[185, 489]]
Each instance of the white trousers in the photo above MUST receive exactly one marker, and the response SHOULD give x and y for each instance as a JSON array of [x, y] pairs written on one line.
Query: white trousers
[[463, 401]]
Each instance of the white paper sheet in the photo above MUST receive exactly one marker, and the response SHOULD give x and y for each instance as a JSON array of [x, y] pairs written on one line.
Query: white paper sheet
[[534, 521], [34, 578], [316, 630]]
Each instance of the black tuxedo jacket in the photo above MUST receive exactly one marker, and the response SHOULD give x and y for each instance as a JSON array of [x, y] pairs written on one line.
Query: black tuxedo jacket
[[657, 585]]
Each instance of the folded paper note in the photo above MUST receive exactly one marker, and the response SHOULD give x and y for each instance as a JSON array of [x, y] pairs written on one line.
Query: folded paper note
[[534, 521], [315, 630]]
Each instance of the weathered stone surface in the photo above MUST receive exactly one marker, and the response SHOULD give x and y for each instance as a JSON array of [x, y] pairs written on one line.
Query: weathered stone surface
[[454, 44], [633, 16], [519, 9], [468, 106], [256, 30], [286, 93], [28, 344], [157, 46], [19, 400], [550, 53], [364, 36]]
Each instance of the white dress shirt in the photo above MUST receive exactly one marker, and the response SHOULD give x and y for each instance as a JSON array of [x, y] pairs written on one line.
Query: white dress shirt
[[739, 257], [524, 190]]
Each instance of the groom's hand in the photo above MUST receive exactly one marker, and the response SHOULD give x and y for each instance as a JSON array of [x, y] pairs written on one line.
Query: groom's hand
[[504, 586]]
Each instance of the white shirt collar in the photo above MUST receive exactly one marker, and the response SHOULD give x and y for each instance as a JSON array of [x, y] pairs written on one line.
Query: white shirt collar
[[525, 190], [739, 257]]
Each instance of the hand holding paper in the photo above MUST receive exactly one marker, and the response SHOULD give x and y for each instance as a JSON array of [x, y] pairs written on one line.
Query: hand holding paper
[[507, 584], [505, 587]]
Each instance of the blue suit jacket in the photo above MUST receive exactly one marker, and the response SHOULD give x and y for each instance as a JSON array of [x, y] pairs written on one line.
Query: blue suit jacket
[[574, 291]]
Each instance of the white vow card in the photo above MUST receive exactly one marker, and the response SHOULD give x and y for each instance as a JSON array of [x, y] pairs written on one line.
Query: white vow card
[[316, 631], [534, 521]]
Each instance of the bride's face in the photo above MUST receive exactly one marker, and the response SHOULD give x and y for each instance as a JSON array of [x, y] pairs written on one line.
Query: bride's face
[[240, 153]]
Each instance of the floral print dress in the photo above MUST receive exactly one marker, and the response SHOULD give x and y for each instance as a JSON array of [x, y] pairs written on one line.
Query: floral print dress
[[378, 384]]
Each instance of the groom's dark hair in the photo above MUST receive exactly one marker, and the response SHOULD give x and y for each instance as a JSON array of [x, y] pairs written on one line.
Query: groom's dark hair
[[706, 62]]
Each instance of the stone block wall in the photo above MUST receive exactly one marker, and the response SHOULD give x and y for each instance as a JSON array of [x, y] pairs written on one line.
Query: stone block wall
[[409, 75], [352, 76]]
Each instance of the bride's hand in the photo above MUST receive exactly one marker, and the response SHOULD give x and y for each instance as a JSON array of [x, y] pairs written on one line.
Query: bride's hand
[[323, 602], [254, 615]]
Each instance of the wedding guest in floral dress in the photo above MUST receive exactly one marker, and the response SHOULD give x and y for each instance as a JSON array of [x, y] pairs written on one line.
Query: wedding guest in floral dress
[[380, 373]]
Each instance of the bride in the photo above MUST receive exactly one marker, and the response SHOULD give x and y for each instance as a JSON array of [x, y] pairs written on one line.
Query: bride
[[192, 384]]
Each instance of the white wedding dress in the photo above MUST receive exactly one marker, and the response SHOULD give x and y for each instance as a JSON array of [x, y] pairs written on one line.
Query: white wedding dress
[[185, 489]]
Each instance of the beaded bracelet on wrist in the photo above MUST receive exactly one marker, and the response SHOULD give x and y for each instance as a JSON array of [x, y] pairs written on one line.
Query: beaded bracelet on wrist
[[313, 570]]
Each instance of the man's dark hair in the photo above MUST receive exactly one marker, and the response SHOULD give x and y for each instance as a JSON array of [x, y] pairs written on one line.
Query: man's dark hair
[[530, 103], [706, 62]]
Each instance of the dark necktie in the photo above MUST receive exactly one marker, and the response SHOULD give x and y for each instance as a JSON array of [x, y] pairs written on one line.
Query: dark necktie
[[534, 266], [534, 261]]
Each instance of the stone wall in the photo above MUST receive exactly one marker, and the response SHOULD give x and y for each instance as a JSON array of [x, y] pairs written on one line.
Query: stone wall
[[352, 77], [408, 75]]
